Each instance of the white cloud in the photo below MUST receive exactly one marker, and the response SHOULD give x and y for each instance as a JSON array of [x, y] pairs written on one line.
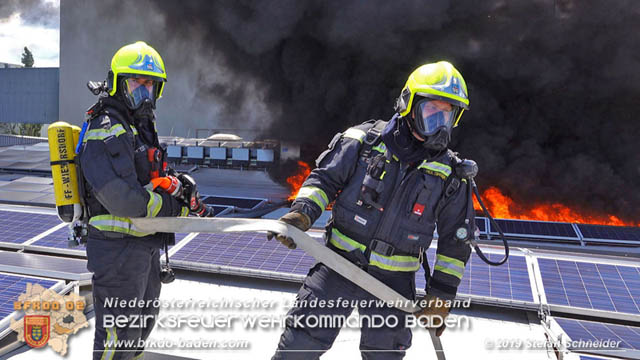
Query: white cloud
[[44, 43]]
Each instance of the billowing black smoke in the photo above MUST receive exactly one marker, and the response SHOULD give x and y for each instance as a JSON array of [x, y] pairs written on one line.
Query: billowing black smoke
[[554, 85], [32, 12]]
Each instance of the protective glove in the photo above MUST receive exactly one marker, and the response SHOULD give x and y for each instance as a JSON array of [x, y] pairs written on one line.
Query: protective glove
[[297, 219], [170, 184], [433, 306], [192, 197]]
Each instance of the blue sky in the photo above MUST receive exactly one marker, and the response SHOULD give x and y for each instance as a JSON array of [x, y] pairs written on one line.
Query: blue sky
[[41, 34]]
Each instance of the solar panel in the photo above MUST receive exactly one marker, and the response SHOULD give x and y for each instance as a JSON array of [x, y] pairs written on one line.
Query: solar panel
[[243, 250], [593, 286], [231, 201], [628, 336], [252, 251], [481, 225], [18, 227], [44, 265], [536, 229], [11, 286], [509, 281], [609, 234]]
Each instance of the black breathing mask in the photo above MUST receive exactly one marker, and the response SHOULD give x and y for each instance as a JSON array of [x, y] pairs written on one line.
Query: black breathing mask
[[438, 141]]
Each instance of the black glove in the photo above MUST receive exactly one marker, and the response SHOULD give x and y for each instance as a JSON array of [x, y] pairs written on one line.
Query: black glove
[[192, 197], [295, 218]]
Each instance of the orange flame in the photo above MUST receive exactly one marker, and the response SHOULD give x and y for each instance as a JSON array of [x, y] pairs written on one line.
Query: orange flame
[[503, 207], [295, 181]]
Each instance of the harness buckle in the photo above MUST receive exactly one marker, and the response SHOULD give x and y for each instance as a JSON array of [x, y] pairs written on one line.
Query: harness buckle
[[382, 247], [452, 187], [372, 136]]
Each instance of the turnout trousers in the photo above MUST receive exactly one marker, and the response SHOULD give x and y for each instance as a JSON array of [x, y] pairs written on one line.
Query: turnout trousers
[[123, 270], [300, 341]]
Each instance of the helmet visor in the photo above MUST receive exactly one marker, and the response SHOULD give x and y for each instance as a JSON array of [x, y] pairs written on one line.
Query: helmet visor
[[138, 89], [430, 115]]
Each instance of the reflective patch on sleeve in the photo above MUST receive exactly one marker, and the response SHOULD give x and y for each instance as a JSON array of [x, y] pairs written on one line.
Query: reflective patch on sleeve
[[435, 168], [101, 134], [353, 133], [184, 211], [154, 204], [449, 266], [315, 194]]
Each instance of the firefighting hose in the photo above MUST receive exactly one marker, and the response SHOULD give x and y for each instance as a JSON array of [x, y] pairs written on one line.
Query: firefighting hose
[[467, 233]]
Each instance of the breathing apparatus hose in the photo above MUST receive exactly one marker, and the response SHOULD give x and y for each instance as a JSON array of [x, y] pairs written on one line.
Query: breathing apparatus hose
[[474, 187]]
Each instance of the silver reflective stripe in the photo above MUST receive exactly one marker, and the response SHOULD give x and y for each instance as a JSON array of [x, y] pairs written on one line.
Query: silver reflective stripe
[[184, 211], [354, 133], [112, 337], [436, 167], [116, 224], [101, 134], [343, 242], [394, 263], [315, 194], [449, 266], [154, 204]]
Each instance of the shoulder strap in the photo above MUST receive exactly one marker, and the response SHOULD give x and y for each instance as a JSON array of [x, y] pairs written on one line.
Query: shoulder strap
[[372, 138]]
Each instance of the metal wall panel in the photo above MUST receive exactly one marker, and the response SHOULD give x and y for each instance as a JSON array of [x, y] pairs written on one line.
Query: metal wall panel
[[29, 95]]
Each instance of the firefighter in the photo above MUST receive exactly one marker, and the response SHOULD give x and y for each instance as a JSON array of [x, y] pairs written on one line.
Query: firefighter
[[392, 182], [119, 157]]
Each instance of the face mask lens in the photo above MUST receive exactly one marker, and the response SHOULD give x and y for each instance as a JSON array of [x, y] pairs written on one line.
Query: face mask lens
[[139, 89], [432, 115]]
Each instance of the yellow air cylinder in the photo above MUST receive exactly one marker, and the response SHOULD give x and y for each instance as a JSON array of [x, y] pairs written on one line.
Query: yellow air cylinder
[[62, 139]]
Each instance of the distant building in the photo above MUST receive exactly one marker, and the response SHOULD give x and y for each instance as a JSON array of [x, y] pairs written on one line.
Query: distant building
[[9, 66], [29, 95]]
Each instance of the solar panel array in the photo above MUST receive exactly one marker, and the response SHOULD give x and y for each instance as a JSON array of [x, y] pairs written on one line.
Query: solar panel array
[[18, 227], [481, 225], [592, 286], [536, 229], [232, 201], [508, 282], [11, 286], [253, 251], [57, 239], [609, 234], [628, 336]]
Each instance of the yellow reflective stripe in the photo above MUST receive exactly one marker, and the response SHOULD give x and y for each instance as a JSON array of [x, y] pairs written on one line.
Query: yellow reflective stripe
[[116, 224], [436, 168], [354, 133], [315, 194], [394, 263], [101, 134], [343, 242], [391, 263], [154, 204], [135, 131], [112, 338], [449, 266], [184, 211]]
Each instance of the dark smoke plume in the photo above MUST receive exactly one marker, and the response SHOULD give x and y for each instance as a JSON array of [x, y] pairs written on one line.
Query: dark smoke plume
[[32, 12], [554, 85]]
